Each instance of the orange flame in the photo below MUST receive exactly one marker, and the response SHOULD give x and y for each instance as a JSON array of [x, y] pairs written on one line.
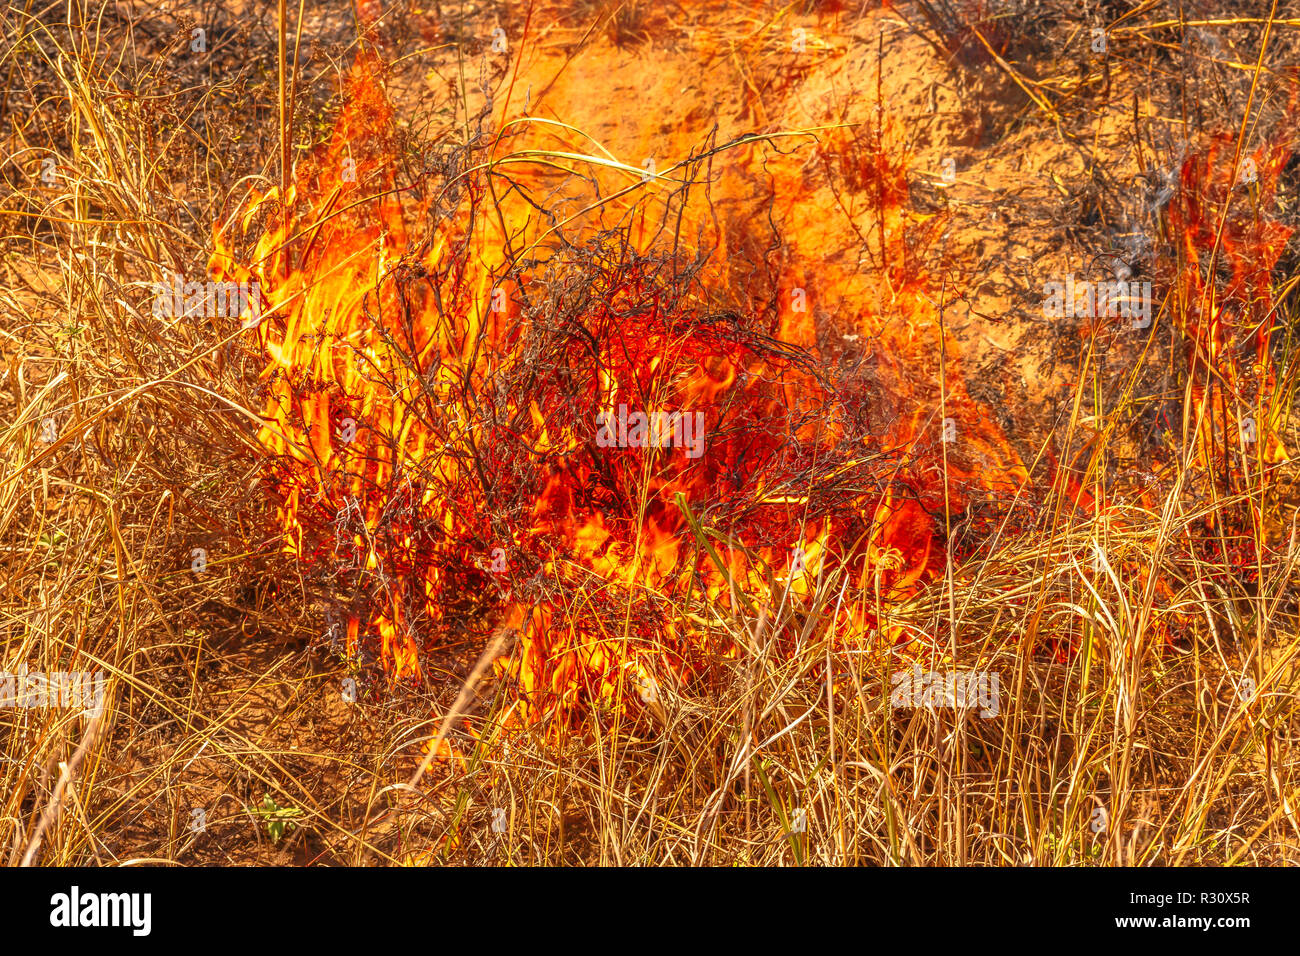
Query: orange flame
[[437, 385]]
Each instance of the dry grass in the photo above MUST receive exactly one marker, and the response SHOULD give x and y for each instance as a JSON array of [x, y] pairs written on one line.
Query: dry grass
[[222, 695]]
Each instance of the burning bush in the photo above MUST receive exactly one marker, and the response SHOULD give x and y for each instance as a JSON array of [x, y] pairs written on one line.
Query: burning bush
[[571, 445], [480, 423]]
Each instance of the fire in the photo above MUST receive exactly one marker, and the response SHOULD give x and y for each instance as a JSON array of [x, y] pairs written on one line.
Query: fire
[[482, 419], [1234, 396]]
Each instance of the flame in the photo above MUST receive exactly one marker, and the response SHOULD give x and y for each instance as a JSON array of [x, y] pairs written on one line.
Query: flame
[[439, 361], [398, 334], [1220, 324]]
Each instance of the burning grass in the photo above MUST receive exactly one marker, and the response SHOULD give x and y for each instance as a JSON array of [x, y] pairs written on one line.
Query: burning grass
[[615, 504]]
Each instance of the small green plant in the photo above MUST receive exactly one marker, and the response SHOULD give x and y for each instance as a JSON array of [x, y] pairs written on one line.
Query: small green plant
[[279, 820], [1074, 852]]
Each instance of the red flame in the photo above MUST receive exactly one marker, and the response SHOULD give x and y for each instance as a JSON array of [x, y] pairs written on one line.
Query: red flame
[[439, 365]]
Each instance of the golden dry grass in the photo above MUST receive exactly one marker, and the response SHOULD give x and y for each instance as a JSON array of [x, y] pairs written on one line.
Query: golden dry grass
[[221, 698]]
